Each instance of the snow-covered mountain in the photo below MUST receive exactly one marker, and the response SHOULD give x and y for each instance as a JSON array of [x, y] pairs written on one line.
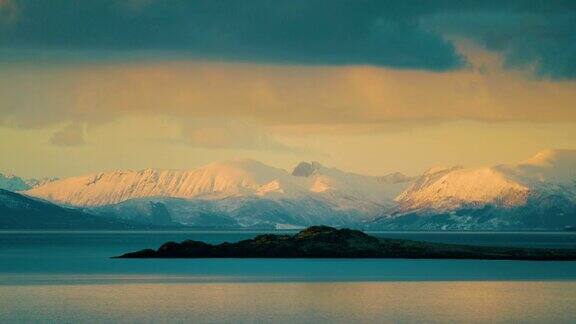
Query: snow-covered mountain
[[240, 178], [231, 212], [441, 189], [11, 182], [540, 191], [33, 183], [247, 192]]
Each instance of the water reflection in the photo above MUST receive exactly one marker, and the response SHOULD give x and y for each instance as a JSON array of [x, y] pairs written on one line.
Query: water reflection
[[293, 302]]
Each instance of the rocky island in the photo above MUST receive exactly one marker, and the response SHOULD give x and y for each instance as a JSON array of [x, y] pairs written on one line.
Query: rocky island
[[329, 242]]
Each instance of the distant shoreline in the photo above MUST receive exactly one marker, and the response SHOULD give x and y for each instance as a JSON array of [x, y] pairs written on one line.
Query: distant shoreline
[[240, 230]]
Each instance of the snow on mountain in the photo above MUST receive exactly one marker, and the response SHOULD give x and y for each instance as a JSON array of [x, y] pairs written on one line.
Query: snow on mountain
[[33, 183], [231, 212], [442, 189], [445, 189], [310, 194], [538, 193], [232, 178], [13, 183]]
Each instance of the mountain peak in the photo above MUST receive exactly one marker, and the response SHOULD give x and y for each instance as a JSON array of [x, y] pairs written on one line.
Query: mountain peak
[[395, 177], [444, 169], [306, 169]]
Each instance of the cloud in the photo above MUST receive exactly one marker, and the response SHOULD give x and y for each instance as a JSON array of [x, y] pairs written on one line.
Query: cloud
[[305, 99], [537, 35], [229, 134], [385, 33], [8, 12], [71, 135], [382, 33]]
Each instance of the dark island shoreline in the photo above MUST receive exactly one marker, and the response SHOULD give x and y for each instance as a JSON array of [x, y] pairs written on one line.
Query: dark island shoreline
[[328, 242]]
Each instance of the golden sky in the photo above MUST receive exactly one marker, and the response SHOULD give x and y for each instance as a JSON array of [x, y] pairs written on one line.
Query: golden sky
[[67, 119]]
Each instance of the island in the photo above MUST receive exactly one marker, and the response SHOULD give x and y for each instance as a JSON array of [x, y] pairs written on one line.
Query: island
[[329, 242]]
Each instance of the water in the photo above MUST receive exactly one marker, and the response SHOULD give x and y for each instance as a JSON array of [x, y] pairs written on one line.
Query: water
[[69, 277]]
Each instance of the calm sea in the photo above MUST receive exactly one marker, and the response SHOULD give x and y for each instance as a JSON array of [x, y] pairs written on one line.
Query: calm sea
[[69, 277]]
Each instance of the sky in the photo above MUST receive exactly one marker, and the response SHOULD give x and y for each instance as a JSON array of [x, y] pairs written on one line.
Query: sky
[[366, 86]]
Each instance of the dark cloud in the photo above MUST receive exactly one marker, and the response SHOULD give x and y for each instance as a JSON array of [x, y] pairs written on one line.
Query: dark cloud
[[401, 34], [539, 38], [380, 33]]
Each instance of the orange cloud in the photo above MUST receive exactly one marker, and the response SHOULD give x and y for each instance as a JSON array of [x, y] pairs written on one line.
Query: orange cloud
[[282, 97]]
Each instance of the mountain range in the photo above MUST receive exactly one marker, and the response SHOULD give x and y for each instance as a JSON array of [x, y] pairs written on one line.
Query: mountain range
[[539, 193], [21, 212], [14, 183], [240, 193]]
